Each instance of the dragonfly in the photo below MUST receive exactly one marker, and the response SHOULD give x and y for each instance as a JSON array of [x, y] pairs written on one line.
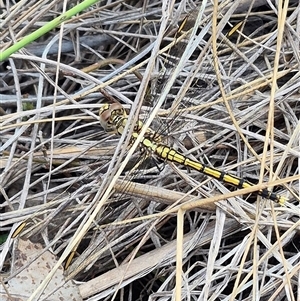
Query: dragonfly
[[113, 118]]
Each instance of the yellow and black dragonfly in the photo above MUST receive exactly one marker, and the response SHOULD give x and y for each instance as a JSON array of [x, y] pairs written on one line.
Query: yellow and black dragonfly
[[113, 118]]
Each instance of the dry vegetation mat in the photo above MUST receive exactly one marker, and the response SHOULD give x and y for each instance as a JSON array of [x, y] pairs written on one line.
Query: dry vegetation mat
[[218, 81]]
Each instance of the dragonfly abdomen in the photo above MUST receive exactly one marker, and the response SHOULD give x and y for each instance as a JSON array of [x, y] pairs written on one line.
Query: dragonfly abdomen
[[167, 153]]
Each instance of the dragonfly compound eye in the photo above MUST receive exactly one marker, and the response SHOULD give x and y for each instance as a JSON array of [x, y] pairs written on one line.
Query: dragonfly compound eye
[[110, 115]]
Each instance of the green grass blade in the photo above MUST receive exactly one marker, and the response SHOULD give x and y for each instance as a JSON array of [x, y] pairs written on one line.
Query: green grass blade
[[46, 28]]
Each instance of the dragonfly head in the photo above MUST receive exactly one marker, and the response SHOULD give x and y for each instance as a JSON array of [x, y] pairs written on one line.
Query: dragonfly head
[[112, 117]]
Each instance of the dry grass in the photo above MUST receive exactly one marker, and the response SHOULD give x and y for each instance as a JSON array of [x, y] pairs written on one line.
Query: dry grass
[[62, 172]]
